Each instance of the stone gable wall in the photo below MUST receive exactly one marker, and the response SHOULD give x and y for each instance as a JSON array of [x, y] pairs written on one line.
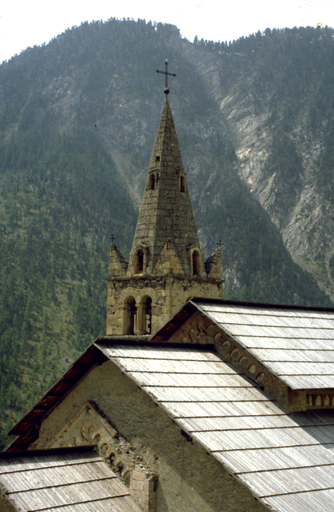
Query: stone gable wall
[[189, 480]]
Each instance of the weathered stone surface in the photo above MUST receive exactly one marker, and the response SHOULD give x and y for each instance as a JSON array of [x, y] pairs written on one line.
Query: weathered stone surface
[[143, 488], [213, 265], [168, 293], [118, 265], [166, 212]]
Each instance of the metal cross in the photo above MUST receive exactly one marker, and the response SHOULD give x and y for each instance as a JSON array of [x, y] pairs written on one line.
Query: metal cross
[[219, 244], [166, 91], [112, 238]]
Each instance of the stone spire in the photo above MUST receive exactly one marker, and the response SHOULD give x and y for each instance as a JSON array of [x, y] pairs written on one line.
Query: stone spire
[[166, 215], [165, 266]]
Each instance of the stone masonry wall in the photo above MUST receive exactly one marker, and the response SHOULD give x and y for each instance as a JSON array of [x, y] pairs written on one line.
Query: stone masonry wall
[[143, 489], [168, 293]]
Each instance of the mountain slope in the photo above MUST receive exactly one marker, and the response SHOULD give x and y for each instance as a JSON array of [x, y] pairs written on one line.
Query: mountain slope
[[275, 94], [78, 119]]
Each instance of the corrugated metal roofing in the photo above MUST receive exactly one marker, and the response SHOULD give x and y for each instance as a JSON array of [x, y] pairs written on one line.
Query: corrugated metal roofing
[[63, 480], [295, 345], [286, 460]]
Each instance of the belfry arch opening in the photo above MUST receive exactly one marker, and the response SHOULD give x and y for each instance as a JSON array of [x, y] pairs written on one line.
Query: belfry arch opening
[[139, 262], [147, 315], [195, 263], [130, 316]]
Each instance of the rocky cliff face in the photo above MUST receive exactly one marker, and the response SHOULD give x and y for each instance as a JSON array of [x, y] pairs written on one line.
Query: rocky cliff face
[[279, 153], [303, 215]]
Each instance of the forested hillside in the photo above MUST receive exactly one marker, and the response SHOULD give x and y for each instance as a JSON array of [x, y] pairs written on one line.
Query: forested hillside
[[78, 118]]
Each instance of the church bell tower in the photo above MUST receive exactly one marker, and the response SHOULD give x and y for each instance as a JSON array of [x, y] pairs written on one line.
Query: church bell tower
[[165, 266]]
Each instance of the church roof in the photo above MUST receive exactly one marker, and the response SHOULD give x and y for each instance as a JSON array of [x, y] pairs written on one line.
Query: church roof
[[166, 213], [62, 480], [285, 459], [296, 344]]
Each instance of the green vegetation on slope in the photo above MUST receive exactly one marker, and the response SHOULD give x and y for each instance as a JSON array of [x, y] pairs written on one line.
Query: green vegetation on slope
[[68, 111], [58, 208]]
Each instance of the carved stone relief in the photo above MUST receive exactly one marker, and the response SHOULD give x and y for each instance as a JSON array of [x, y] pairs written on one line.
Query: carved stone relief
[[315, 401], [202, 331], [199, 329], [90, 426]]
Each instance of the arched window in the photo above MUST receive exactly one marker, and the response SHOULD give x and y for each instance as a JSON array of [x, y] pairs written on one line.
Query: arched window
[[151, 182], [147, 315], [182, 184], [195, 263], [130, 316], [139, 262]]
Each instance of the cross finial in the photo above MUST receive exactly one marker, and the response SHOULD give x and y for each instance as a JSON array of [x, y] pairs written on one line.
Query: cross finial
[[220, 243], [112, 238], [166, 91]]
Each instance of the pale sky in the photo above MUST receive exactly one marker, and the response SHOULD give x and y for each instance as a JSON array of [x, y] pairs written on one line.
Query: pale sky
[[26, 23]]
